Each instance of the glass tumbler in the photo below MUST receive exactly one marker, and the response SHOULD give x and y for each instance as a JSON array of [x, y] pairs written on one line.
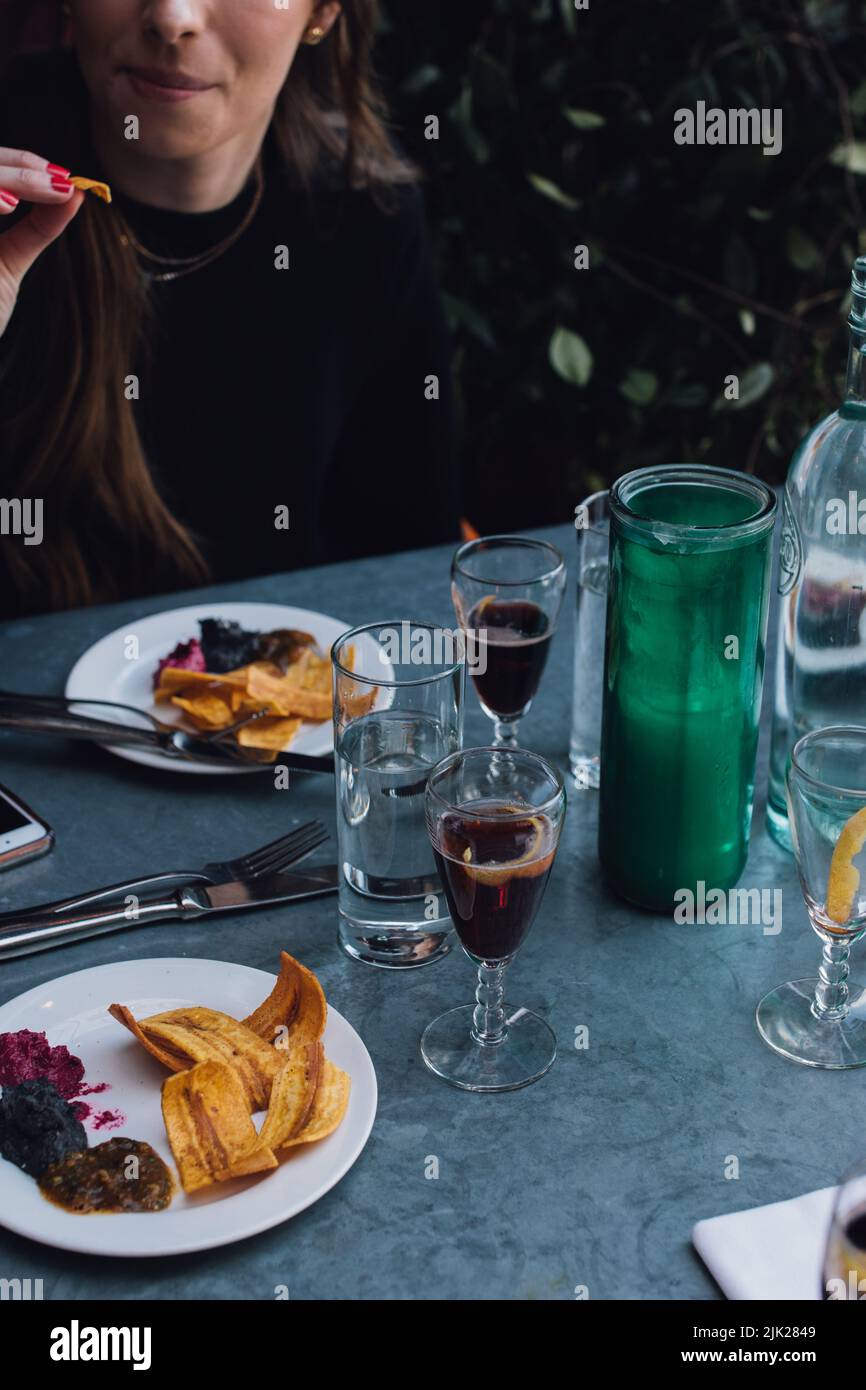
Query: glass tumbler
[[398, 710]]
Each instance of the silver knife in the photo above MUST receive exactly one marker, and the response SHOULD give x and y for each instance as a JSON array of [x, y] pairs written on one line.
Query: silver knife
[[28, 714], [197, 900]]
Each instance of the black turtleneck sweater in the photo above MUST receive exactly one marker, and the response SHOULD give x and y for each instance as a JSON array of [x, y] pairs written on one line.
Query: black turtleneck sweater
[[260, 388]]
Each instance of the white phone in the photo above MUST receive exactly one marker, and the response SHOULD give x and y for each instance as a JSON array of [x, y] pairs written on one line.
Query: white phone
[[23, 835]]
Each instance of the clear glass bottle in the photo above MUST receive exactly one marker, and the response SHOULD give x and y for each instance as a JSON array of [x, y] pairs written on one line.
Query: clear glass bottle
[[821, 653]]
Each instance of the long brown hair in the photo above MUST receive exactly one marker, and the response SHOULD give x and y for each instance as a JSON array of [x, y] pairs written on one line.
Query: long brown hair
[[78, 447]]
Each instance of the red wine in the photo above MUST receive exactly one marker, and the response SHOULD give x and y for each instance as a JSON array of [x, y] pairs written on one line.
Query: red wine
[[494, 873], [513, 636]]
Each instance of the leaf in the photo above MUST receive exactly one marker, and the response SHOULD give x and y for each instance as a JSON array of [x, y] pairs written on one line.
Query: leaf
[[459, 312], [802, 251], [461, 112], [553, 76], [550, 190], [583, 120], [420, 80], [851, 156], [639, 386], [687, 395], [570, 357], [755, 382]]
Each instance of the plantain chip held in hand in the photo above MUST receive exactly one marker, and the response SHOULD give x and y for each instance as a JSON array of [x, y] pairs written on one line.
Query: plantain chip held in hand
[[101, 190]]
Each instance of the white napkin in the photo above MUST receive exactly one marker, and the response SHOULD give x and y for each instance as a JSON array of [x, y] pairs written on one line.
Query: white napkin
[[774, 1252]]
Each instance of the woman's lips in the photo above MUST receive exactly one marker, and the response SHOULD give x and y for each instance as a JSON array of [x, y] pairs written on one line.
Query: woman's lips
[[168, 87]]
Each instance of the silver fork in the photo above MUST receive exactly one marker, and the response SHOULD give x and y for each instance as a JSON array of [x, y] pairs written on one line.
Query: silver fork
[[56, 714], [61, 704], [270, 859]]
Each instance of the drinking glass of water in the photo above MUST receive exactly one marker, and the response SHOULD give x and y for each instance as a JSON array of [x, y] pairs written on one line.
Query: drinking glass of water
[[398, 711], [592, 523]]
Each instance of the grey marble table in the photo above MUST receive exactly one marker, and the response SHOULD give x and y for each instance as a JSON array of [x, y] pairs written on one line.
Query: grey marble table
[[594, 1176]]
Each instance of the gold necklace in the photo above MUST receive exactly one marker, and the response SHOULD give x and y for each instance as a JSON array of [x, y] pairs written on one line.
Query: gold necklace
[[187, 265]]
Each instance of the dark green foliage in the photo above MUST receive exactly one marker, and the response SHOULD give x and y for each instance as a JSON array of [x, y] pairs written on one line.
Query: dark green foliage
[[557, 129]]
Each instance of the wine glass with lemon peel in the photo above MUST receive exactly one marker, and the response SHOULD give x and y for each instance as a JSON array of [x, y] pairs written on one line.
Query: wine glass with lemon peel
[[822, 1022], [494, 849]]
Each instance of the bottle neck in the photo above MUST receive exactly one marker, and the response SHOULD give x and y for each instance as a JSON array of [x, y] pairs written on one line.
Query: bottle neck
[[855, 380]]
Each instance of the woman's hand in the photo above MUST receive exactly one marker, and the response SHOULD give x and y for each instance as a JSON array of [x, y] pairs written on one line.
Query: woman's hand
[[25, 177]]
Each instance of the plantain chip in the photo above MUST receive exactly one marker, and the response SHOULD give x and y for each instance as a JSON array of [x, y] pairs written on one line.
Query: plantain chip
[[207, 711], [354, 698], [312, 671], [209, 1127], [280, 1009], [241, 702], [299, 689], [204, 1035], [101, 190], [284, 694], [226, 1069], [295, 1012], [309, 1022], [174, 678], [162, 1054], [292, 1095], [329, 1106], [273, 734]]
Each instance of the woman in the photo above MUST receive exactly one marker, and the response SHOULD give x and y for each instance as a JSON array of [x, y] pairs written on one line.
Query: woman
[[240, 366]]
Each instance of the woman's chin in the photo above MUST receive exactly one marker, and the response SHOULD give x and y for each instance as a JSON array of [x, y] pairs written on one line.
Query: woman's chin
[[175, 145]]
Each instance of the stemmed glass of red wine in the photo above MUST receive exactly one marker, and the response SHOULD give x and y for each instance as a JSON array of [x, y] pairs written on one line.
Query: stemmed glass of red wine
[[494, 852], [507, 593]]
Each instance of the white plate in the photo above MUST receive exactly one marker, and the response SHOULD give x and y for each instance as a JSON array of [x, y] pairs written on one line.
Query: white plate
[[118, 668], [72, 1010]]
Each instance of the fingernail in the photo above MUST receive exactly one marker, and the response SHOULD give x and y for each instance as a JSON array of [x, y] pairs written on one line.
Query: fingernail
[[62, 185], [9, 198], [58, 169]]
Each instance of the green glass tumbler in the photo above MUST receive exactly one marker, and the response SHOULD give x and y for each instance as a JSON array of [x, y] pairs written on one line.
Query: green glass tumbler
[[688, 598]]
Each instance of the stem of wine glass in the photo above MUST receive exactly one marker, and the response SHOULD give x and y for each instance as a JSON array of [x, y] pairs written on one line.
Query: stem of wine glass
[[488, 1019], [505, 733], [831, 992]]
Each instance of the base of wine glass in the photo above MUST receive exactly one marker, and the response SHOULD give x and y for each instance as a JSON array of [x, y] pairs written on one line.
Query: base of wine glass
[[787, 1025], [526, 1053]]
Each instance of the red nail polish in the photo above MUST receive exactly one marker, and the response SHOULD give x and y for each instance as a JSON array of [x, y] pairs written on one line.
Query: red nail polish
[[9, 198], [62, 185], [58, 169]]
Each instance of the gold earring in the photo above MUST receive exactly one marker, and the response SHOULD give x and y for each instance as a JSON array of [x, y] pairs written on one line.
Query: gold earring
[[314, 37]]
